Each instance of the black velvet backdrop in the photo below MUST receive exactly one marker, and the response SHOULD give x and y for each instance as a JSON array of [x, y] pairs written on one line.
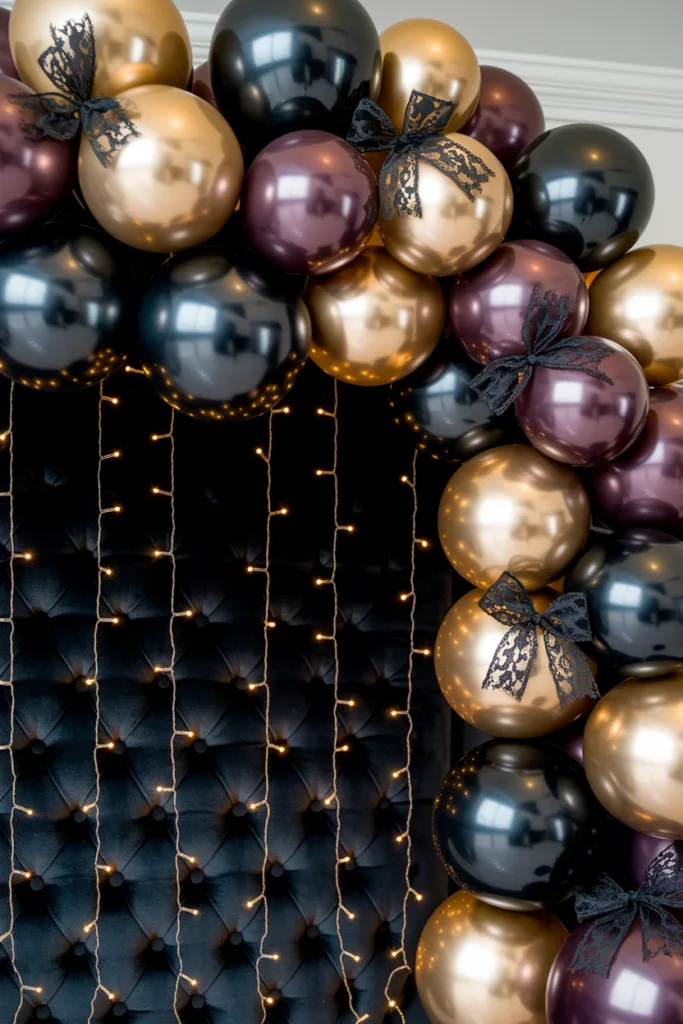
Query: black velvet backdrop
[[220, 498]]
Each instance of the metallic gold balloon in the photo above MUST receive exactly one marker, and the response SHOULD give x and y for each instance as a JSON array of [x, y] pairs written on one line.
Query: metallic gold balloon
[[374, 321], [465, 647], [478, 964], [513, 509], [638, 302], [138, 42], [454, 232], [176, 184], [633, 754], [433, 58]]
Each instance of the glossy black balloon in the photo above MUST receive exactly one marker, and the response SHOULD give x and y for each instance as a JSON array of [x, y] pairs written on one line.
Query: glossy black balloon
[[442, 414], [280, 66], [584, 188], [221, 337], [633, 581], [516, 824], [65, 308]]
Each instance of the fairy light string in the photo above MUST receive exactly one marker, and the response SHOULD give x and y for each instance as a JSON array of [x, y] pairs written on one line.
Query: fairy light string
[[176, 733], [14, 872], [337, 748], [405, 837], [264, 804]]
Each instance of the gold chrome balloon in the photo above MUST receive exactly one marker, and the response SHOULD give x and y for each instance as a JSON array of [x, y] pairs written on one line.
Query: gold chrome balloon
[[513, 509], [374, 321], [138, 42], [465, 647], [633, 754], [478, 964], [454, 233], [176, 184], [638, 302], [431, 57]]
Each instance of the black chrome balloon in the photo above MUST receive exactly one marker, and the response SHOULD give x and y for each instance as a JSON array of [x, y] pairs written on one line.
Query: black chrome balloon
[[633, 581], [65, 308], [584, 188], [222, 338], [442, 414], [516, 824], [278, 66]]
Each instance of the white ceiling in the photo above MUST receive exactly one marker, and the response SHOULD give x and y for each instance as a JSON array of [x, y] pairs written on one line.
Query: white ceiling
[[625, 31]]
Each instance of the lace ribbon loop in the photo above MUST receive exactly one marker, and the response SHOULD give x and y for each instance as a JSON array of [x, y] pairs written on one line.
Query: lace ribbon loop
[[613, 911], [426, 119], [70, 65], [564, 624], [503, 380]]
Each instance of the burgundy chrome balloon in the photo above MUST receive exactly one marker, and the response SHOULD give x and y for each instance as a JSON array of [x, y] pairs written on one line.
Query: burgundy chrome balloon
[[35, 174], [628, 854], [489, 303], [645, 486], [201, 84], [310, 202], [7, 66], [574, 418], [508, 116], [635, 992]]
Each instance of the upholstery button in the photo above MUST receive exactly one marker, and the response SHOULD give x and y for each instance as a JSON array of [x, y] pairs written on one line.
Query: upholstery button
[[119, 747], [159, 813], [312, 932], [198, 1002], [275, 994], [350, 865], [199, 746], [384, 804], [116, 879], [38, 747], [236, 939], [197, 876], [42, 1013], [79, 816], [81, 684], [316, 806], [157, 945], [119, 1010], [240, 683], [239, 810], [201, 620], [162, 681], [277, 870], [79, 949], [36, 883]]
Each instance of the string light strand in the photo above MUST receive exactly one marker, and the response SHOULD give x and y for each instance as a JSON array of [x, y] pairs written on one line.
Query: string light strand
[[401, 954], [338, 747]]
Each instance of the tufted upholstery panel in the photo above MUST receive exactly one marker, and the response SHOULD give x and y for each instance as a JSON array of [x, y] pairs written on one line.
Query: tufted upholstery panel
[[220, 500]]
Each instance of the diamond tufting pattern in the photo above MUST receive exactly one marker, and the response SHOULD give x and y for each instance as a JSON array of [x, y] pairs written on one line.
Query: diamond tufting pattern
[[220, 504]]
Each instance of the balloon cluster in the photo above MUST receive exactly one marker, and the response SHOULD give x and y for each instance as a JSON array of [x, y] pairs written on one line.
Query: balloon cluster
[[400, 213]]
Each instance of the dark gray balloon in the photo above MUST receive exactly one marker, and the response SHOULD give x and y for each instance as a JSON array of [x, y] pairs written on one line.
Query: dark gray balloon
[[65, 302], [516, 824], [280, 66], [633, 581], [222, 338], [586, 189], [440, 411]]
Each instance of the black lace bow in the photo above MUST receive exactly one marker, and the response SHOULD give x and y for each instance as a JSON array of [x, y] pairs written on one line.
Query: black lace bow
[[565, 623], [425, 121], [503, 380], [70, 65], [613, 911]]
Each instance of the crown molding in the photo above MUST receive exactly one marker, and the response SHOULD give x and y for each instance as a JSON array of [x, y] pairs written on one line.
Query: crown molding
[[622, 95]]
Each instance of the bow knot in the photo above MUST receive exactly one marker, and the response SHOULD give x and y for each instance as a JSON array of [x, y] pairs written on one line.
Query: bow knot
[[70, 65], [426, 119], [564, 624], [612, 911], [503, 380]]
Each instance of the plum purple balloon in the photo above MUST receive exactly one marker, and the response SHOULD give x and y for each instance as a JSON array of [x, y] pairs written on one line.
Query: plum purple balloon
[[628, 854], [508, 116], [7, 65], [310, 202], [489, 303], [574, 418], [201, 84], [645, 486], [35, 174], [635, 991]]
